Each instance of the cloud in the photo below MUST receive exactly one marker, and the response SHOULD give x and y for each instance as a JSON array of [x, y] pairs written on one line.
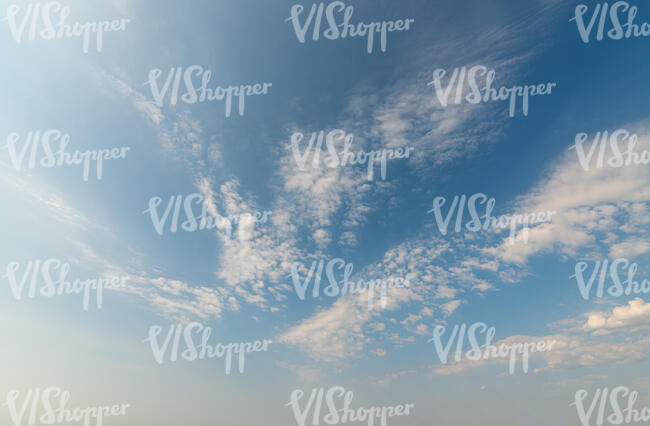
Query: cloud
[[332, 334], [449, 307], [341, 330], [593, 208], [47, 198], [579, 344], [629, 248], [637, 312], [389, 117], [138, 100], [321, 237], [173, 298]]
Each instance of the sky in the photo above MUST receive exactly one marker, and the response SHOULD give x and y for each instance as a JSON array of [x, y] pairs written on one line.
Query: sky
[[242, 286]]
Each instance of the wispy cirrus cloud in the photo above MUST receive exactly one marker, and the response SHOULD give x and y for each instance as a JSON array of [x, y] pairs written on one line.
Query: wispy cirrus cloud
[[599, 210]]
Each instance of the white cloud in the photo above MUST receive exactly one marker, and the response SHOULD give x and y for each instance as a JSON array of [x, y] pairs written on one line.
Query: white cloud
[[449, 307], [333, 334], [321, 237], [629, 248], [579, 344], [591, 206], [637, 312]]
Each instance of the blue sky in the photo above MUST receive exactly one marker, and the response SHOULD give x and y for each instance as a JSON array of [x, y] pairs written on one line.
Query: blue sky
[[243, 288]]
